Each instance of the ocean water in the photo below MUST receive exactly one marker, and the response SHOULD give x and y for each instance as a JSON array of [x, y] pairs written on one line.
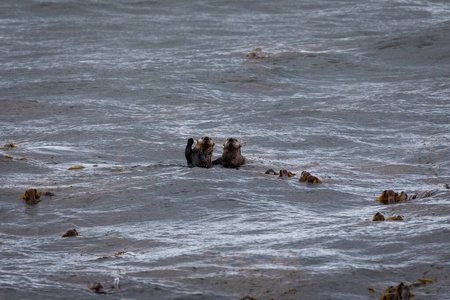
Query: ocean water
[[354, 92]]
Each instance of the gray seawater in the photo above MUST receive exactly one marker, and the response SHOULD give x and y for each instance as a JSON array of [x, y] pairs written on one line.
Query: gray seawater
[[355, 92]]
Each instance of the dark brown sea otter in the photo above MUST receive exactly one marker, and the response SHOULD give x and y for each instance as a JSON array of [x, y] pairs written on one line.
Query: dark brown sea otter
[[201, 154], [231, 157]]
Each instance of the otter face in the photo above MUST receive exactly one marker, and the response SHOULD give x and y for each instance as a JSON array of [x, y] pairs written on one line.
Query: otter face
[[232, 143], [205, 142]]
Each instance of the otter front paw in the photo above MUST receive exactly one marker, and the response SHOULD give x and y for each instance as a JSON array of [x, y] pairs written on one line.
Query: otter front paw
[[190, 142]]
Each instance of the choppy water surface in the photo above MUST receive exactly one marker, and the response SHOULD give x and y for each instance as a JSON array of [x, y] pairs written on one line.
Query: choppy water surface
[[355, 92]]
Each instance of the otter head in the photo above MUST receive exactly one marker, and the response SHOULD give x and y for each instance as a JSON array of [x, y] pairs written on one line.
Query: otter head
[[205, 142], [231, 143]]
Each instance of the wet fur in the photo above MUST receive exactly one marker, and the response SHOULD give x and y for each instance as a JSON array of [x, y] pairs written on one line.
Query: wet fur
[[201, 154], [231, 157]]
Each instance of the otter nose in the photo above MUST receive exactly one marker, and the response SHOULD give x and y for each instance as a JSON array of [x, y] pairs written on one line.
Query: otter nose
[[206, 138]]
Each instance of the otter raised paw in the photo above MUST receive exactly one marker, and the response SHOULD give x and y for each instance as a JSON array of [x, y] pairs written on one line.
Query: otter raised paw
[[201, 154], [231, 157]]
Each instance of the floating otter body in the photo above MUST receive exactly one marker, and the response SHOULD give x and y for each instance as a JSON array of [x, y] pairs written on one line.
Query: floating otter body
[[307, 177], [201, 154], [231, 157]]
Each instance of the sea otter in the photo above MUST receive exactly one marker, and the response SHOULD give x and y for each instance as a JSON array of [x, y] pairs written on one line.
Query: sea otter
[[201, 154], [231, 157]]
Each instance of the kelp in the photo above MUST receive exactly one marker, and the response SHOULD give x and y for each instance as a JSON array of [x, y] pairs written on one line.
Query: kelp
[[76, 167], [257, 54], [9, 146], [307, 177], [71, 232]]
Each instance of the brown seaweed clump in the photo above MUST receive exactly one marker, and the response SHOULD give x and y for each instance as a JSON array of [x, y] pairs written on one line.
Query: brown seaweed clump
[[98, 288], [391, 197], [31, 195], [378, 217], [256, 54], [8, 146], [71, 232], [400, 292], [307, 177], [285, 174]]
